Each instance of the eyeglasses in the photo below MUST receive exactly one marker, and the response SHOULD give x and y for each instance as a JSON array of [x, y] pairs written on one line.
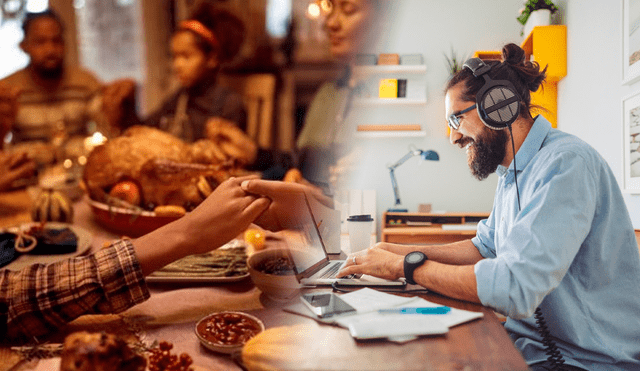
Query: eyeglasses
[[454, 118]]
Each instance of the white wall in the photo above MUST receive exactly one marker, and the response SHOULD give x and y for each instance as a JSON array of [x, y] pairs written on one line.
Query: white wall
[[589, 98], [433, 28]]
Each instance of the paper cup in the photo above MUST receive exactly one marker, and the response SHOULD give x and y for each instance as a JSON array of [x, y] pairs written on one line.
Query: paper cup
[[359, 232]]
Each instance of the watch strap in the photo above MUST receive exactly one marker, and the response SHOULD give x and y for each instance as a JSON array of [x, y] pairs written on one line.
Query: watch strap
[[409, 267]]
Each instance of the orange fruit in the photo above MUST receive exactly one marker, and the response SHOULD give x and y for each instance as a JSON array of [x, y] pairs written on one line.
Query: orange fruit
[[292, 176], [255, 237], [126, 190]]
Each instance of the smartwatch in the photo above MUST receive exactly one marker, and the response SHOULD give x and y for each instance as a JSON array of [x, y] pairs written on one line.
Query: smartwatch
[[412, 261]]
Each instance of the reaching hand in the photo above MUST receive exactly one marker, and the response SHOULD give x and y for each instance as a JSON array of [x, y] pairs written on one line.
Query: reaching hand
[[287, 200], [114, 99], [226, 213], [8, 108], [233, 141], [376, 262], [14, 167]]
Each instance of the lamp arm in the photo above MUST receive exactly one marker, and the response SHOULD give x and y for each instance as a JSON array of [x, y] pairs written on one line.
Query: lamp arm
[[392, 168], [394, 184], [403, 159]]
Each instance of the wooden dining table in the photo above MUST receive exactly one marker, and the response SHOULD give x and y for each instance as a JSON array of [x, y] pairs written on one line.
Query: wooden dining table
[[173, 309]]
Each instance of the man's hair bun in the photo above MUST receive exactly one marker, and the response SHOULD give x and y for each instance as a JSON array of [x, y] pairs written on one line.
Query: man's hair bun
[[513, 54], [529, 72]]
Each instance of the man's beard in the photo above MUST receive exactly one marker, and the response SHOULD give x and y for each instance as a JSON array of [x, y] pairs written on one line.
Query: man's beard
[[487, 152], [50, 73]]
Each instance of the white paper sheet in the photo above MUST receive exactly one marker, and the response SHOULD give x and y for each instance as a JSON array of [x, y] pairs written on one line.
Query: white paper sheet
[[369, 323]]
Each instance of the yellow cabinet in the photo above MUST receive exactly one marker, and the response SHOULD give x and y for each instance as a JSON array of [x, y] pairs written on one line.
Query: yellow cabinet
[[546, 45]]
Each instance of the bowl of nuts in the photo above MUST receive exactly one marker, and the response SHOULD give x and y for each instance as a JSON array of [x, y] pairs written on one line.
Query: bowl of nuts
[[227, 332], [272, 271]]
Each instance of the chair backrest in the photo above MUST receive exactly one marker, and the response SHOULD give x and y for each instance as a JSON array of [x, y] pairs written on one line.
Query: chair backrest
[[258, 92]]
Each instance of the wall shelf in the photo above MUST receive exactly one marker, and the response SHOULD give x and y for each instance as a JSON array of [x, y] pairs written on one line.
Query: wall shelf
[[390, 134], [429, 228], [388, 102], [364, 71], [393, 116]]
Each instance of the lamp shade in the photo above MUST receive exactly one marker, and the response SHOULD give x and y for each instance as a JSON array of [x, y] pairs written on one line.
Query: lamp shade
[[430, 155]]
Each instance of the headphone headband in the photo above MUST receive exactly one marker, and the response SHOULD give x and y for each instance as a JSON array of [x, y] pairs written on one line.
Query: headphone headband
[[476, 66]]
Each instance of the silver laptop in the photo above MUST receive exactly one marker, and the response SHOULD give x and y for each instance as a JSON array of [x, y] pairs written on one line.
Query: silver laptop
[[313, 268]]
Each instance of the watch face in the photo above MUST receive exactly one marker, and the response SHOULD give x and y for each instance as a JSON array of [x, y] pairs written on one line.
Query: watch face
[[414, 257]]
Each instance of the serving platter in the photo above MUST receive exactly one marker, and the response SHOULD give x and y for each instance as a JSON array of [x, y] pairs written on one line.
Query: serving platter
[[24, 260], [203, 273], [128, 222]]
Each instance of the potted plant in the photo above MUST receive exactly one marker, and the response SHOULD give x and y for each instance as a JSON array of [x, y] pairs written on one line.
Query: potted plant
[[536, 13], [454, 64]]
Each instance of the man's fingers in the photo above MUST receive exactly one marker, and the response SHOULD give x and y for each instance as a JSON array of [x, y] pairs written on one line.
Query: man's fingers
[[270, 188], [352, 269], [241, 179], [25, 170], [18, 159], [257, 207]]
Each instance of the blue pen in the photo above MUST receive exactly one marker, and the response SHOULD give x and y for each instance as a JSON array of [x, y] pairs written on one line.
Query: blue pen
[[419, 310]]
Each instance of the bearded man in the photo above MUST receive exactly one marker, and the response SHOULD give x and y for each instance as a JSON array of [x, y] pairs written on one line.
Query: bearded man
[[558, 246], [49, 99]]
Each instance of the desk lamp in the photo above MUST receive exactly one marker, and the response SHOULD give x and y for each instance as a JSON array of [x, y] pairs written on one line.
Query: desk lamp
[[425, 155]]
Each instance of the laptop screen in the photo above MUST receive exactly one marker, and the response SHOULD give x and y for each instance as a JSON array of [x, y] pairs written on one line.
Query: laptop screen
[[306, 245]]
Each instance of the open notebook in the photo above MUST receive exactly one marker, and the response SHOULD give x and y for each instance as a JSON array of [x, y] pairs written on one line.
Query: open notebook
[[313, 268]]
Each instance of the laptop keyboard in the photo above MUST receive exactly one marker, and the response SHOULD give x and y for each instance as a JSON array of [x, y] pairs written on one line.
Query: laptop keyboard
[[331, 272]]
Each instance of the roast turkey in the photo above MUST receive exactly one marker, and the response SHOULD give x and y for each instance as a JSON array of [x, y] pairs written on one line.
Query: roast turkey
[[166, 168]]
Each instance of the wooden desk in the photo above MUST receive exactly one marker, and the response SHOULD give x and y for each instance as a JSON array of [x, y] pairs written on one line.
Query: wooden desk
[[477, 345], [428, 228], [172, 311]]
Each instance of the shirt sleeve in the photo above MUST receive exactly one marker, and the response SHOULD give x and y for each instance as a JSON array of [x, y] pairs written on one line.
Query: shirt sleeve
[[484, 237], [42, 298], [542, 241]]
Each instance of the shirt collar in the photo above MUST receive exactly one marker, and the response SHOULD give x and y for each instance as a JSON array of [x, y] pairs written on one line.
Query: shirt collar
[[530, 146]]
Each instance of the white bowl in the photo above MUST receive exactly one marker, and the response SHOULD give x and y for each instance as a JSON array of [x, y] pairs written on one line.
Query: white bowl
[[279, 288], [244, 321]]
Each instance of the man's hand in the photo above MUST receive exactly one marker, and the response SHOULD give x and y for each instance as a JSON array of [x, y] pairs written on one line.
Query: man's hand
[[8, 108], [376, 262], [115, 97], [395, 248], [287, 201], [223, 215], [14, 167], [233, 141]]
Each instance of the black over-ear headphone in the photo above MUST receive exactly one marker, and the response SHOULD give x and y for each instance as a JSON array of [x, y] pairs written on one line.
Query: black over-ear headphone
[[497, 102]]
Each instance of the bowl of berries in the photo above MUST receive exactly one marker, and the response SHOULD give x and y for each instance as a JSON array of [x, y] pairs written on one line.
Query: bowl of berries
[[227, 332]]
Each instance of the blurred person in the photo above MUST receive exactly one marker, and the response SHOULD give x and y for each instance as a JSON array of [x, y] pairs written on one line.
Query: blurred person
[[325, 137], [202, 108], [48, 98]]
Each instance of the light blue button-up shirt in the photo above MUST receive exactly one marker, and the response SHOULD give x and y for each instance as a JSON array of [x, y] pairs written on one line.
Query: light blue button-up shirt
[[570, 249]]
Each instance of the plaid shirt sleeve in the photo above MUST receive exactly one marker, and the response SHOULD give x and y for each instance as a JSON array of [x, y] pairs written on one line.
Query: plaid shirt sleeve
[[41, 298]]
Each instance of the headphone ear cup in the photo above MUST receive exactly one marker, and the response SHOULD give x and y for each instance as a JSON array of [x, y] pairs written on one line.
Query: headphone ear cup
[[499, 106]]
